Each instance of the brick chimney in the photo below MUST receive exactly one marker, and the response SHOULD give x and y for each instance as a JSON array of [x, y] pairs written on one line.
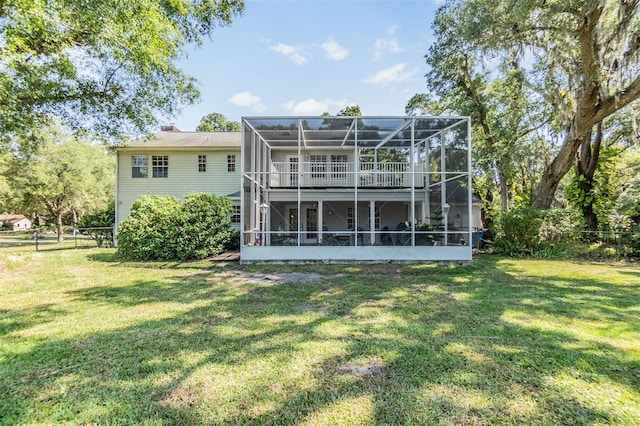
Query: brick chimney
[[171, 127]]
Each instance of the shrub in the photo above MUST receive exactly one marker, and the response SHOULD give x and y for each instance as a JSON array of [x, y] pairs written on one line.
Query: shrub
[[524, 231], [104, 218], [518, 231], [167, 228], [561, 225], [233, 243], [205, 226]]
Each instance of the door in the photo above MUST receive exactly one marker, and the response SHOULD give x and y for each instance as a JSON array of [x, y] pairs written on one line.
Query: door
[[293, 171], [309, 219], [310, 225]]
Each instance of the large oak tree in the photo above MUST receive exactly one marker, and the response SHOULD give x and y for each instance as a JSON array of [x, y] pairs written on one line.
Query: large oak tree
[[584, 55], [108, 66]]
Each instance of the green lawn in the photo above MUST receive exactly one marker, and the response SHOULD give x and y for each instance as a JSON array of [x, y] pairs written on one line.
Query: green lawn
[[87, 339]]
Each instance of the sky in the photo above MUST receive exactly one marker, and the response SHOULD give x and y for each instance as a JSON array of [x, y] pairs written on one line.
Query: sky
[[306, 57]]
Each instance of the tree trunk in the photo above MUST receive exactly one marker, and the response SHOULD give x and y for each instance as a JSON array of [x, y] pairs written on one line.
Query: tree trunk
[[586, 166], [591, 108], [504, 192], [555, 171], [59, 227]]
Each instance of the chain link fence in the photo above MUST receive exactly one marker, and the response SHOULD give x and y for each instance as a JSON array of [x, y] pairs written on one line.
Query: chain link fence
[[623, 243], [47, 238]]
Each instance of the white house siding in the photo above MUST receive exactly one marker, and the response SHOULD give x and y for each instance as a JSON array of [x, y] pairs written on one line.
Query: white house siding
[[21, 225], [183, 175]]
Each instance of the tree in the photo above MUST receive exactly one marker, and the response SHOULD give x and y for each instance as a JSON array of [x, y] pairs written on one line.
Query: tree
[[101, 65], [350, 111], [216, 122], [503, 106], [64, 175], [593, 75], [585, 59], [600, 170]]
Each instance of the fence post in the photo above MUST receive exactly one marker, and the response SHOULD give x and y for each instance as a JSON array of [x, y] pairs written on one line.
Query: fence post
[[113, 235], [35, 235]]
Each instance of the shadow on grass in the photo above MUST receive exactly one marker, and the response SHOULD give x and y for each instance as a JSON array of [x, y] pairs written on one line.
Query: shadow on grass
[[454, 344], [14, 320], [113, 259]]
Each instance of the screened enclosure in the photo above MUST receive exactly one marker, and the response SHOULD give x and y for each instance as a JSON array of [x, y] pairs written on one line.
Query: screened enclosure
[[357, 188]]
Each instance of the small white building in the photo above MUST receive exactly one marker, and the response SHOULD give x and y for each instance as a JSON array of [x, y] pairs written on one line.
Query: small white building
[[16, 222], [177, 163]]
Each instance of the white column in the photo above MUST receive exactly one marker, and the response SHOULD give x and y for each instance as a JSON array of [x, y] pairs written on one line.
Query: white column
[[320, 221], [412, 167]]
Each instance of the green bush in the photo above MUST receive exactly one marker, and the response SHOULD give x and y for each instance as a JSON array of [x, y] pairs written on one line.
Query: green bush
[[524, 231], [518, 232], [233, 243], [105, 218], [561, 225], [167, 228]]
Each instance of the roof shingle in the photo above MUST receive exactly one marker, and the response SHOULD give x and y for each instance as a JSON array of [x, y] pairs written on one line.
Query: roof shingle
[[187, 140]]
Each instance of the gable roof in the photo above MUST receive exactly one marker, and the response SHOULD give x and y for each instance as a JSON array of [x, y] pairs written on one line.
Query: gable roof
[[12, 218], [187, 140]]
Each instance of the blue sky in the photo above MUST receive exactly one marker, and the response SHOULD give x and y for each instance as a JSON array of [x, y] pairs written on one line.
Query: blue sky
[[286, 57]]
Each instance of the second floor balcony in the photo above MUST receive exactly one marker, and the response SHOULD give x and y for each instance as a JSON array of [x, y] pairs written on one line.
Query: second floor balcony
[[346, 175]]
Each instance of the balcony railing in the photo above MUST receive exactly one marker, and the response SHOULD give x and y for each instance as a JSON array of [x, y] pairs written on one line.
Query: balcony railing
[[336, 175]]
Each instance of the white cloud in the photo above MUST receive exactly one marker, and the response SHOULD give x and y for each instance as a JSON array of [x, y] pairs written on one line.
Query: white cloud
[[246, 99], [394, 74], [313, 106], [386, 45], [296, 54], [334, 51]]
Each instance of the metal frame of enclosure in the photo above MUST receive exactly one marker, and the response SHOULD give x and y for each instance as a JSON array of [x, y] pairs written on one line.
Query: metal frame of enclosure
[[356, 189]]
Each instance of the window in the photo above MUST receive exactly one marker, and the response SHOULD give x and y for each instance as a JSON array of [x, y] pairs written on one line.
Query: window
[[202, 163], [139, 166], [160, 165], [231, 163], [235, 217], [318, 165]]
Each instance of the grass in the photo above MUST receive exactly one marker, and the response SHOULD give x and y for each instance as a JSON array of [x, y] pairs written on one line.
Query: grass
[[88, 339]]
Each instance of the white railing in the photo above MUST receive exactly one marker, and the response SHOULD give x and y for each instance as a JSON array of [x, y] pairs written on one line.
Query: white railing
[[327, 174]]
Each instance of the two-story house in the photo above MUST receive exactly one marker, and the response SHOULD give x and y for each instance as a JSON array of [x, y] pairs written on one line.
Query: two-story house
[[357, 189], [322, 188], [177, 163]]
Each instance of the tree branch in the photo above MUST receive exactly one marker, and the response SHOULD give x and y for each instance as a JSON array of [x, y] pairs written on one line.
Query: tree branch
[[532, 129], [613, 103], [63, 97]]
